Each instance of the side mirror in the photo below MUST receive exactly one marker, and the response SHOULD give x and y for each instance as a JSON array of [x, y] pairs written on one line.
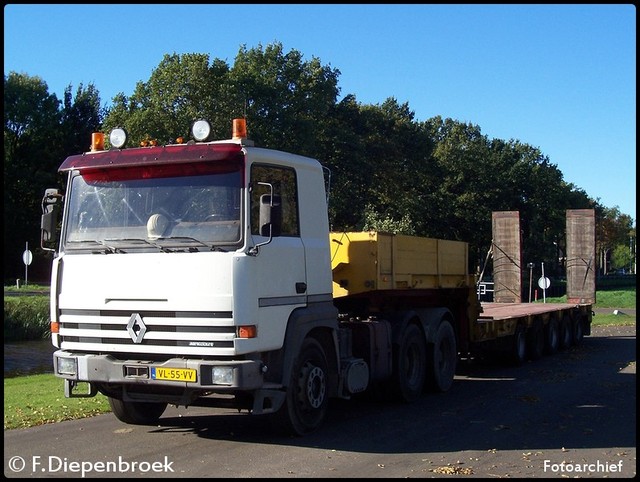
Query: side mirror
[[51, 206], [270, 215]]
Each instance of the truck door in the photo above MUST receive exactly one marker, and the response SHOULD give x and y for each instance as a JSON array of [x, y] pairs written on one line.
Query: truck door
[[282, 261]]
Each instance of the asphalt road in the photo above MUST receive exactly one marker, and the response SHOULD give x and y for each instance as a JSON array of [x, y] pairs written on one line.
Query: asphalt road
[[568, 415]]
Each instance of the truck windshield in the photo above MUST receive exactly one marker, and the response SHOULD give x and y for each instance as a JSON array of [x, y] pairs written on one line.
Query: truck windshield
[[179, 209]]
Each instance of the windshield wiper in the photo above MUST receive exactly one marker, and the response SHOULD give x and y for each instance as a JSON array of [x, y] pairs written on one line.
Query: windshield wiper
[[185, 241], [138, 241], [166, 245], [108, 248]]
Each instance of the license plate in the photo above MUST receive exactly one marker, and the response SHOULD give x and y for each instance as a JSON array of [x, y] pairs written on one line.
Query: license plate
[[174, 374]]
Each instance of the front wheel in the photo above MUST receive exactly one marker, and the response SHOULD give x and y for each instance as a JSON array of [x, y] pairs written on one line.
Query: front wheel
[[137, 413], [306, 402]]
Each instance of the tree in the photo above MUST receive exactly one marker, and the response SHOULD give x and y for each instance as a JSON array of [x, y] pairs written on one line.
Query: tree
[[285, 99], [181, 90], [31, 118], [81, 115], [38, 133], [613, 229]]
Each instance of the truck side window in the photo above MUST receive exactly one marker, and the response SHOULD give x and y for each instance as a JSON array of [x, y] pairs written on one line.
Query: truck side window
[[285, 185]]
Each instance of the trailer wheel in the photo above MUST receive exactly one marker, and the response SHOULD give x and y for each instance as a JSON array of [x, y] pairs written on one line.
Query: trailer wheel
[[577, 331], [566, 336], [518, 353], [535, 340], [306, 402], [442, 359], [137, 413], [552, 336], [410, 364]]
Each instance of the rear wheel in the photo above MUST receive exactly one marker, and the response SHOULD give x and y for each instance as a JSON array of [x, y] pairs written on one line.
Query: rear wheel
[[566, 336], [518, 349], [410, 367], [442, 359], [535, 340], [552, 336], [137, 413], [577, 331], [306, 402]]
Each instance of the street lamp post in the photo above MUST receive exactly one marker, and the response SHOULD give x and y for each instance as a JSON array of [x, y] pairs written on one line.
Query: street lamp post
[[530, 266]]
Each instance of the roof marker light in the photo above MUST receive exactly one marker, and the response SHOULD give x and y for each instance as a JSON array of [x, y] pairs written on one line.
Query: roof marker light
[[200, 130], [239, 129], [118, 137], [97, 141]]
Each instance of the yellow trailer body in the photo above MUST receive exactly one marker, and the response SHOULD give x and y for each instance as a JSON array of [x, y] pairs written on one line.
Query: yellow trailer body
[[371, 260]]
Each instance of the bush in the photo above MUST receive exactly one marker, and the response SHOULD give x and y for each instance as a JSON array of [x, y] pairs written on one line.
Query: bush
[[26, 318]]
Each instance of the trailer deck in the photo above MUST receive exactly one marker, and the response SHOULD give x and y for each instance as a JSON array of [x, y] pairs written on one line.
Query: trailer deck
[[499, 320], [503, 311]]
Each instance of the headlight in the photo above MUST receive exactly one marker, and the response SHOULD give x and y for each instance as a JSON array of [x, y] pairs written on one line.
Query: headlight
[[222, 375], [67, 366]]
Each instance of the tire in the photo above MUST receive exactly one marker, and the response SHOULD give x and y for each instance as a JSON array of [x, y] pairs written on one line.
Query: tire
[[137, 413], [535, 340], [552, 336], [442, 359], [306, 401], [518, 349], [577, 331], [566, 334], [410, 365]]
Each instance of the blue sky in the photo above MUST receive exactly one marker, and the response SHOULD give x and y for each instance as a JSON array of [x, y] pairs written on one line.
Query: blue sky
[[558, 77]]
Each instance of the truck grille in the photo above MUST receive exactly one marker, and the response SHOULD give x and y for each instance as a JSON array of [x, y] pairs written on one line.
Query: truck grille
[[157, 332]]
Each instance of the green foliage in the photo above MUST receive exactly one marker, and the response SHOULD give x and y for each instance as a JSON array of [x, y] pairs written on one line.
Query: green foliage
[[39, 132], [622, 257], [613, 230], [26, 318], [375, 222]]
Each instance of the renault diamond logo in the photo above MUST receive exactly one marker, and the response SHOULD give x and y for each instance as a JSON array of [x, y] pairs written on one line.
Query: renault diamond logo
[[136, 328]]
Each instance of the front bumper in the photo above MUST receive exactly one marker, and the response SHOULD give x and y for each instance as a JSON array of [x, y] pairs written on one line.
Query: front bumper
[[193, 374]]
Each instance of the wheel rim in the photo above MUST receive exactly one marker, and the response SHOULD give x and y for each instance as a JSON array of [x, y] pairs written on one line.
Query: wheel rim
[[316, 387]]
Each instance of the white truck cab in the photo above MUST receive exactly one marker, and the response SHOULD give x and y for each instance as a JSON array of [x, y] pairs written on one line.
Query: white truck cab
[[195, 273]]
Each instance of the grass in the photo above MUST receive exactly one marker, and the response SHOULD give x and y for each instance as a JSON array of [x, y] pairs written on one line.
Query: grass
[[39, 399], [620, 299]]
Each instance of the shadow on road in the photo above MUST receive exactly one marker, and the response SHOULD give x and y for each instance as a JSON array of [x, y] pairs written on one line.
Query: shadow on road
[[583, 397]]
